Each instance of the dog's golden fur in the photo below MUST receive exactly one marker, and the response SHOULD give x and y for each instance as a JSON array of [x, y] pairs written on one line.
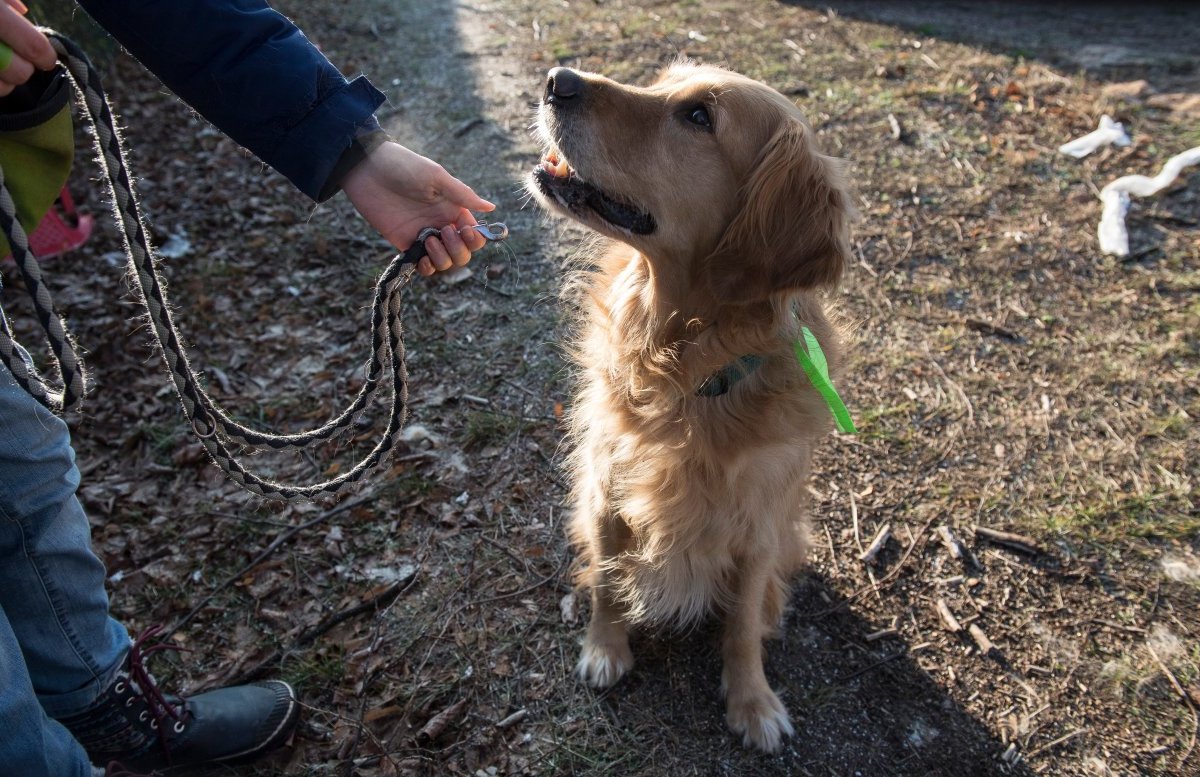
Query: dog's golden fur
[[687, 503]]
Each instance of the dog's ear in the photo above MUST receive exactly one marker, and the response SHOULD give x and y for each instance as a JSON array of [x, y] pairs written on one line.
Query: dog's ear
[[791, 227]]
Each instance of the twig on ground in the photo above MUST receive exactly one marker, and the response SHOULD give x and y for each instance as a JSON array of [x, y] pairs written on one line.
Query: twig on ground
[[985, 645], [950, 541], [871, 667], [948, 620], [1008, 539], [1056, 742], [854, 522], [877, 635], [881, 538]]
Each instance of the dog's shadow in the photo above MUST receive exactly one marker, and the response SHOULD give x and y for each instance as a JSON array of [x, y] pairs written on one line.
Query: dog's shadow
[[858, 707]]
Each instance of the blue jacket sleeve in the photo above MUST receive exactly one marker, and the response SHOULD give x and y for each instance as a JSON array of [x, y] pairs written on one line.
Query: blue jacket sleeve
[[252, 73]]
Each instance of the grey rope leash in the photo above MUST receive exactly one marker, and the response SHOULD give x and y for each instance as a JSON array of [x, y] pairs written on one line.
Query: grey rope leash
[[69, 367], [212, 425]]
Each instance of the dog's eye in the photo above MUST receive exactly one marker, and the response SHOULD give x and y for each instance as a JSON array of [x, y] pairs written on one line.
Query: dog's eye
[[698, 115]]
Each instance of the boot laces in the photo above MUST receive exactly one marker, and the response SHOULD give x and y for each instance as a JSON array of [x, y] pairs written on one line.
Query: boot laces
[[145, 687]]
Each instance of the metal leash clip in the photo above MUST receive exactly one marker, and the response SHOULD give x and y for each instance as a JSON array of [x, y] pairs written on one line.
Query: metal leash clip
[[497, 230], [493, 232]]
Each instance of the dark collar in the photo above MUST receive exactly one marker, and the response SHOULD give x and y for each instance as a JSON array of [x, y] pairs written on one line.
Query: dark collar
[[724, 379]]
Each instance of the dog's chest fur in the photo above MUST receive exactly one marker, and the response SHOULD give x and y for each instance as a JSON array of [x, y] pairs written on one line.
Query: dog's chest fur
[[704, 485]]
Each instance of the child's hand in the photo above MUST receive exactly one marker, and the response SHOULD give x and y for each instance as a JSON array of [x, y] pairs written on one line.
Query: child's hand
[[400, 192]]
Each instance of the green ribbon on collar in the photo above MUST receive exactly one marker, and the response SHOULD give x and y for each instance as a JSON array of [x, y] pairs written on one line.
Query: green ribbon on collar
[[812, 359]]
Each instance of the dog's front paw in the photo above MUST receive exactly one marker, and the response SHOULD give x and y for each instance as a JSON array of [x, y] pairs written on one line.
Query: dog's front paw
[[760, 718], [603, 663]]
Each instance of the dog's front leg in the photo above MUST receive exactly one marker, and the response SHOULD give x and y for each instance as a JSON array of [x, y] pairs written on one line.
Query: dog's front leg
[[606, 656], [751, 708]]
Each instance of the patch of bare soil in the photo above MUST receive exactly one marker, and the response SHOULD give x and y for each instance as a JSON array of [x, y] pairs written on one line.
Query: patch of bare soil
[[1005, 376]]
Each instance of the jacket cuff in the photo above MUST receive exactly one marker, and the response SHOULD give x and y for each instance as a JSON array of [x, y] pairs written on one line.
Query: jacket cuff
[[366, 139], [327, 132]]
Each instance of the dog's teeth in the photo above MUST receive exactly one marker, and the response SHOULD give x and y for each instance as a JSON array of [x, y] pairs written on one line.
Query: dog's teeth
[[556, 166]]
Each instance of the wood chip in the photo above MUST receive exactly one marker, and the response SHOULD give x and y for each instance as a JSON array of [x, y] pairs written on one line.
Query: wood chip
[[1008, 539], [881, 538], [948, 620]]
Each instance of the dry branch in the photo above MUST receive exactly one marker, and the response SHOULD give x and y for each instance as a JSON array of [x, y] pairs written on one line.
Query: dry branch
[[1016, 541]]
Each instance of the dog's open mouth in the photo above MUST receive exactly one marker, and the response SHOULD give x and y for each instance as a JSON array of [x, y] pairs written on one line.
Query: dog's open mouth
[[561, 183]]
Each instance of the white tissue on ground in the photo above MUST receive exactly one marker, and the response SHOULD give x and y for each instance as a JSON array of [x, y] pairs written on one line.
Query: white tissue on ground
[[1108, 133], [1114, 239]]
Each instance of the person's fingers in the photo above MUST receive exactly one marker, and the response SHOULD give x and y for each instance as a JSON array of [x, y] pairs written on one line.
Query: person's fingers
[[471, 238], [424, 267], [437, 254], [26, 41], [18, 6], [5, 89], [455, 246], [466, 223], [464, 196], [17, 71]]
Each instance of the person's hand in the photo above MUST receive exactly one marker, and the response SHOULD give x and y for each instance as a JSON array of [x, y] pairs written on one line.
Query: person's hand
[[400, 192], [30, 48]]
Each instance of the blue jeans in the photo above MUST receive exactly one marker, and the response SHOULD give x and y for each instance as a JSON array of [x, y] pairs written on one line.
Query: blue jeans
[[59, 649]]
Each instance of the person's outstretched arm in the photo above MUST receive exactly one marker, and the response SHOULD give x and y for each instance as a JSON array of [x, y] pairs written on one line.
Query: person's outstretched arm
[[252, 73]]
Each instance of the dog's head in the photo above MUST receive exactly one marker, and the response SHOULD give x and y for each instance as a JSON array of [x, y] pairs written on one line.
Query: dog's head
[[706, 172]]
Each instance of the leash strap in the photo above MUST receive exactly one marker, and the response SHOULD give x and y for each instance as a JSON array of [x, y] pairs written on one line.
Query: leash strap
[[215, 429], [812, 360]]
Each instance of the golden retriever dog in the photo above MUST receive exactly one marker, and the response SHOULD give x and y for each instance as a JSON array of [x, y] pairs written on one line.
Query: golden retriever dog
[[694, 425]]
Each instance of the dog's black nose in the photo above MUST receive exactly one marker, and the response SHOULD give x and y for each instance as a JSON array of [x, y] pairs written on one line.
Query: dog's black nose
[[563, 84]]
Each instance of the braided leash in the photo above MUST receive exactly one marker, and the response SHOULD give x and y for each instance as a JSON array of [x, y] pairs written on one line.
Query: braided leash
[[211, 425], [70, 368]]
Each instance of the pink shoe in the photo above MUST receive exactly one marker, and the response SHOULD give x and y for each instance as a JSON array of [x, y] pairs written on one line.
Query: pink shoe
[[62, 229]]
